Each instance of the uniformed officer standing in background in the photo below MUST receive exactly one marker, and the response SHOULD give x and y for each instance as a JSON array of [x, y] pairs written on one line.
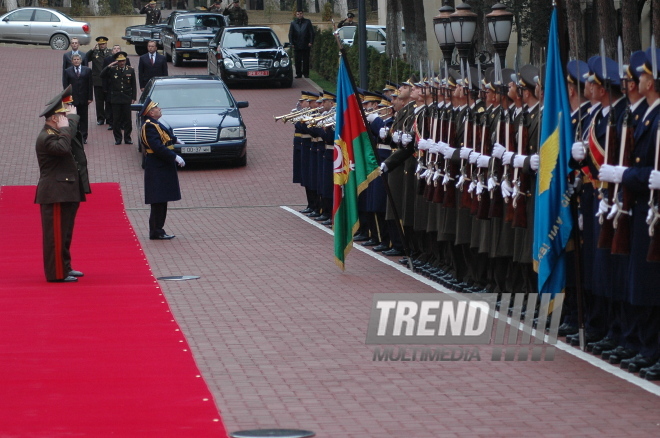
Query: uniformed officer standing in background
[[123, 89], [153, 13], [95, 59]]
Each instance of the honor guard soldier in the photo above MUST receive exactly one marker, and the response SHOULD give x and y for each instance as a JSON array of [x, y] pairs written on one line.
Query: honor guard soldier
[[59, 190], [390, 89], [123, 89], [152, 12], [95, 59], [641, 351], [237, 15]]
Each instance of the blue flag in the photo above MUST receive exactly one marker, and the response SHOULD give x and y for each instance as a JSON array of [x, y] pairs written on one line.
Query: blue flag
[[552, 216]]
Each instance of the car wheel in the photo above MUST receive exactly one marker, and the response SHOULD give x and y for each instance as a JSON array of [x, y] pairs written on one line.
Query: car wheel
[[59, 42], [176, 59], [242, 162], [141, 50], [168, 57]]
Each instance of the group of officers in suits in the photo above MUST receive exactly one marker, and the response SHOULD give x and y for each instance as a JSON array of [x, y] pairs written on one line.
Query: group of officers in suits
[[106, 75], [460, 155]]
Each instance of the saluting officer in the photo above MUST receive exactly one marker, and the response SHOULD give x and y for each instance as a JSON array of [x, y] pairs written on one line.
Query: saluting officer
[[95, 59], [123, 89], [153, 13]]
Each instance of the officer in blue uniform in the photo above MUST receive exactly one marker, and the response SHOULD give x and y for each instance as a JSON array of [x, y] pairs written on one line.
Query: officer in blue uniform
[[161, 182]]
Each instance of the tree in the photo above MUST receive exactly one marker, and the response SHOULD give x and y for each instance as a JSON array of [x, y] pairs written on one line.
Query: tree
[[631, 11], [394, 46], [11, 5], [655, 17], [575, 29], [607, 25], [413, 15], [341, 7]]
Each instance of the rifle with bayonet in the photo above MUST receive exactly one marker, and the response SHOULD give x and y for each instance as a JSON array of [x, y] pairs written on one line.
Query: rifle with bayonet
[[610, 157], [521, 180], [653, 218]]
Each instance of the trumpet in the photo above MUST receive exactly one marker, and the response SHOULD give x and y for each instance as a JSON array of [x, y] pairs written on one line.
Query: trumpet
[[293, 114], [316, 121]]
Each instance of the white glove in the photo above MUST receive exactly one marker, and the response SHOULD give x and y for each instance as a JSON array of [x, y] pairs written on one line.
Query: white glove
[[483, 161], [613, 210], [506, 158], [371, 117], [424, 174], [611, 174], [480, 188], [649, 216], [578, 151], [498, 150], [434, 148], [519, 160], [179, 141], [448, 152], [581, 222], [491, 183], [180, 161], [473, 158], [460, 182], [383, 167], [382, 133], [465, 153], [516, 191], [534, 162], [436, 175], [472, 187], [507, 190], [396, 136], [654, 180], [406, 139], [442, 146], [446, 179], [423, 144], [603, 208]]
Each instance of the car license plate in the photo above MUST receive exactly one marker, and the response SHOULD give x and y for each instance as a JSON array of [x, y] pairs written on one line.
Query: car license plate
[[258, 73], [138, 39], [195, 149]]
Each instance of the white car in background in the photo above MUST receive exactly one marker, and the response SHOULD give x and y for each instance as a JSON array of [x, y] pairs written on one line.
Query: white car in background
[[376, 37], [42, 26]]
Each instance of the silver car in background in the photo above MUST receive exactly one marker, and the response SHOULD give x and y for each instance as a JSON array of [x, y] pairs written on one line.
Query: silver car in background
[[42, 26]]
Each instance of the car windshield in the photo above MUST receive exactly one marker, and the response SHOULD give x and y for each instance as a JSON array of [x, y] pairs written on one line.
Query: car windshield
[[346, 32], [201, 95], [258, 39], [199, 21]]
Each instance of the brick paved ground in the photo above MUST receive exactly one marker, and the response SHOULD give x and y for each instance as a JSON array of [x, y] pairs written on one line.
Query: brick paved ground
[[278, 331]]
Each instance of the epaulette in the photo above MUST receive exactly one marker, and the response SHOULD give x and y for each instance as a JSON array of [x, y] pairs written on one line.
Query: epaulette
[[51, 132]]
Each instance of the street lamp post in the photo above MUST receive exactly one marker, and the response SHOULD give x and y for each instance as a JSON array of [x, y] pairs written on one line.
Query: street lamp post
[[463, 26], [500, 22], [442, 27]]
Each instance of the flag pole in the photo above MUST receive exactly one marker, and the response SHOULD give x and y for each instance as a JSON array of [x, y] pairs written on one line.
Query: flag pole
[[399, 227]]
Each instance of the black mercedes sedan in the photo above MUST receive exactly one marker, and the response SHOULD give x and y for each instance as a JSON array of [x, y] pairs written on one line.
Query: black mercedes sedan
[[203, 114], [249, 54]]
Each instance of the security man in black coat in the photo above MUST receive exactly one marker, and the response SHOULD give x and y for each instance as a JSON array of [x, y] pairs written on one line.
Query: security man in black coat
[[123, 89], [161, 182], [301, 37]]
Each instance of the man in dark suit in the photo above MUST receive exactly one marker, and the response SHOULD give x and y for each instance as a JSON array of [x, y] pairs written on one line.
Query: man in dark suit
[[59, 192], [161, 182], [151, 65], [301, 37], [123, 92], [66, 58], [80, 79]]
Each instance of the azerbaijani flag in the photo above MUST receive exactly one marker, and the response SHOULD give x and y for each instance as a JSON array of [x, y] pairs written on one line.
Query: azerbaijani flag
[[355, 164], [552, 216]]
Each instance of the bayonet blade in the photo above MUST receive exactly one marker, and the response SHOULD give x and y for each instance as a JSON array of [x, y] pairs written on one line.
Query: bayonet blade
[[469, 72], [603, 65], [619, 55], [654, 60], [498, 70], [463, 72], [479, 72]]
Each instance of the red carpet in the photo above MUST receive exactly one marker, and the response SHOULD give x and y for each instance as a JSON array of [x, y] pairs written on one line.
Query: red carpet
[[102, 357]]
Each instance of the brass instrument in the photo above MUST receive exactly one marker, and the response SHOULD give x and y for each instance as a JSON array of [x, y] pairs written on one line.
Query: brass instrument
[[287, 117]]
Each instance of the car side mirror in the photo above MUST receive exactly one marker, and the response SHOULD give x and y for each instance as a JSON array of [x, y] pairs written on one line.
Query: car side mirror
[[242, 104], [287, 45], [213, 45]]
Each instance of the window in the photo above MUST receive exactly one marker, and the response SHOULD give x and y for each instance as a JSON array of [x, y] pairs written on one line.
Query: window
[[209, 95], [45, 16], [21, 15], [257, 39]]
